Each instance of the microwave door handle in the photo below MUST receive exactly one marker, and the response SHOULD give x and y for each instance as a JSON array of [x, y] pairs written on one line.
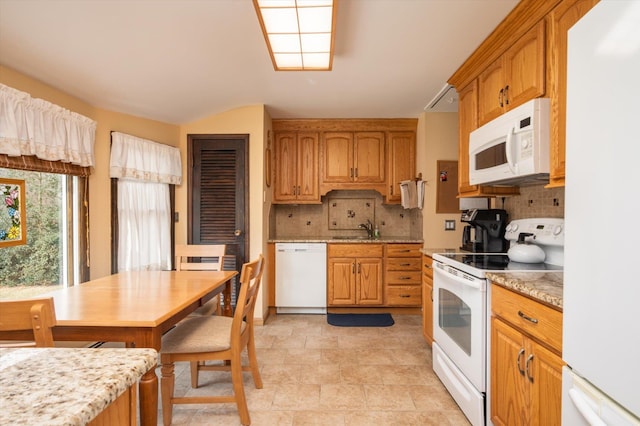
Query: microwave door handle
[[509, 152]]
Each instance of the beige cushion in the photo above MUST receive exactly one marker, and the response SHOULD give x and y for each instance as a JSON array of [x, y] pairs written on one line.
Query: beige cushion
[[199, 334]]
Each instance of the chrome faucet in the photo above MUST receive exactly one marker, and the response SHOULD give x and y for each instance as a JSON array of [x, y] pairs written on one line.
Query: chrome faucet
[[368, 227]]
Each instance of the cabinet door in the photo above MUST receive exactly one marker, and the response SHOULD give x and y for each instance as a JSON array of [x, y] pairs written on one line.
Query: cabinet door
[[401, 162], [514, 78], [286, 158], [491, 83], [341, 288], [307, 160], [369, 150], [561, 19], [369, 281], [545, 373], [468, 122], [337, 157], [524, 67], [509, 389]]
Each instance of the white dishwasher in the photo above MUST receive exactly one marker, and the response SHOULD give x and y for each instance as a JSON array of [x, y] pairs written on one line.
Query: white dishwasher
[[301, 278]]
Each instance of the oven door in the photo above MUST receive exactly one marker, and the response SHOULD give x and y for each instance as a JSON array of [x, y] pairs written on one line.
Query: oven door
[[459, 326]]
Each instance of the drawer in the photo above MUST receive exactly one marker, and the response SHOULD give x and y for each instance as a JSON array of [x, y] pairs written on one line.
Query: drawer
[[409, 295], [544, 323], [403, 264], [403, 277], [427, 265], [355, 250], [403, 250]]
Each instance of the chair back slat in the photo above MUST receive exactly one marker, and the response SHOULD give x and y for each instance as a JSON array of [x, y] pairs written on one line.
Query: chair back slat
[[37, 317], [200, 257], [250, 279]]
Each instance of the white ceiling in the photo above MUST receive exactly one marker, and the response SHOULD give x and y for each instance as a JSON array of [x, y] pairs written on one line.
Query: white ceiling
[[180, 60]]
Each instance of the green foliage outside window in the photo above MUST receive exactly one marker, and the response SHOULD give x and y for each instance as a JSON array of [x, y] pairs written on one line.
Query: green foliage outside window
[[38, 263]]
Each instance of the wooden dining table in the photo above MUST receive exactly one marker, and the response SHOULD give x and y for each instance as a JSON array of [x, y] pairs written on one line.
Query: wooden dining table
[[136, 308]]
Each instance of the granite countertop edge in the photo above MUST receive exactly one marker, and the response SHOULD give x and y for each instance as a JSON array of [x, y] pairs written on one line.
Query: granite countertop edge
[[66, 386], [351, 240], [543, 286]]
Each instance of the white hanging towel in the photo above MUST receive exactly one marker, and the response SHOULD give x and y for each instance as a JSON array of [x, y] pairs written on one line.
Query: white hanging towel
[[409, 194], [420, 191]]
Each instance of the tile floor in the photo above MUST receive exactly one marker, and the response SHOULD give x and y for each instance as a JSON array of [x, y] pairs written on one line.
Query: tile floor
[[318, 374]]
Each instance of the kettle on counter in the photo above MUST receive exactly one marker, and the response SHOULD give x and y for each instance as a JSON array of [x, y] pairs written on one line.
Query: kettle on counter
[[525, 252]]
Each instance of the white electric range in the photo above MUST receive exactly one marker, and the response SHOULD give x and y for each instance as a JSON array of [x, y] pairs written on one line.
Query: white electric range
[[461, 310]]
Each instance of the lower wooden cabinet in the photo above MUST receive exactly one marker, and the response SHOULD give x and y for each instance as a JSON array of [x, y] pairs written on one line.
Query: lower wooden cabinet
[[526, 373], [402, 275], [354, 275], [526, 384], [427, 298]]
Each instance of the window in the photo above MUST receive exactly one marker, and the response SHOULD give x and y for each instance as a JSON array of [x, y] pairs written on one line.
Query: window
[[55, 253]]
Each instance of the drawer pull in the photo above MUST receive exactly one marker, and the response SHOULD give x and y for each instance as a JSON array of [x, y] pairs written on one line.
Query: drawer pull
[[528, 318], [518, 363], [426, 265], [404, 278], [405, 295], [529, 359], [405, 264]]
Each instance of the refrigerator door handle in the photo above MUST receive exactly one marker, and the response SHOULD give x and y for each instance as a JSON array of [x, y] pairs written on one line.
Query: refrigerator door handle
[[581, 403]]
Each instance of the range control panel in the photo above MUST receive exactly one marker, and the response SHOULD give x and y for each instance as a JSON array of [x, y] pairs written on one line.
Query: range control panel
[[541, 231]]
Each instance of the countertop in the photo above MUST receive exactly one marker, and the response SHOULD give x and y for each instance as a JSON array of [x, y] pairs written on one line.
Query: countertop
[[543, 286], [430, 251], [347, 239], [65, 386]]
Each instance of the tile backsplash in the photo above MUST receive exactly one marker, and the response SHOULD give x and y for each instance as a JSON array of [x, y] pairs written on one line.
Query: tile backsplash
[[340, 214], [534, 201]]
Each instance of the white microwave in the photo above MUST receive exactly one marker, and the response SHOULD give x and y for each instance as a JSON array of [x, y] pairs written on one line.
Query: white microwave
[[512, 149]]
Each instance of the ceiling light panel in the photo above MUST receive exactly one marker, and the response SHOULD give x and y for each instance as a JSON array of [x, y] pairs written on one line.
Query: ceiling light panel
[[299, 33]]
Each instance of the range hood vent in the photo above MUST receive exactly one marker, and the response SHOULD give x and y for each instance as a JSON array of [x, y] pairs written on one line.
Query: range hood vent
[[446, 100]]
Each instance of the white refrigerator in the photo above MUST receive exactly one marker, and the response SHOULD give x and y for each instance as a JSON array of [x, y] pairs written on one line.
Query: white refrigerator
[[601, 340]]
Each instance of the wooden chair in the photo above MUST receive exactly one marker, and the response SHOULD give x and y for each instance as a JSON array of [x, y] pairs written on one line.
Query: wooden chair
[[216, 338], [35, 316], [210, 258]]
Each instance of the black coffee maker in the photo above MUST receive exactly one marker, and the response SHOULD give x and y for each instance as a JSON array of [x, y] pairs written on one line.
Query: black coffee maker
[[485, 231]]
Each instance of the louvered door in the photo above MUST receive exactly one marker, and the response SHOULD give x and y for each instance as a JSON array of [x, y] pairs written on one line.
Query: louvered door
[[218, 195]]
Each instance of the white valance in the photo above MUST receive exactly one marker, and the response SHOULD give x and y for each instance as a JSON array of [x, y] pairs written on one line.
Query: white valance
[[31, 126], [145, 160]]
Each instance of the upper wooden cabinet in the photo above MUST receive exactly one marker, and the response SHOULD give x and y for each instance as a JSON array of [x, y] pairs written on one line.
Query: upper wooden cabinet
[[514, 78], [561, 19], [353, 157], [351, 154], [468, 121], [401, 162], [296, 168]]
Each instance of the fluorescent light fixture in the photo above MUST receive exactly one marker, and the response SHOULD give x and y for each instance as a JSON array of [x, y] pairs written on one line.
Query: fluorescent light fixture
[[299, 33]]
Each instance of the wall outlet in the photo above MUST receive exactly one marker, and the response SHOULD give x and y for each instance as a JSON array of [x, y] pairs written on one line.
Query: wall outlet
[[449, 225]]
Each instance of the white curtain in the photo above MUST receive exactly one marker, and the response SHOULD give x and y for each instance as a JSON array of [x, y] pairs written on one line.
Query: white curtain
[[144, 226], [144, 170], [30, 126], [145, 160]]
